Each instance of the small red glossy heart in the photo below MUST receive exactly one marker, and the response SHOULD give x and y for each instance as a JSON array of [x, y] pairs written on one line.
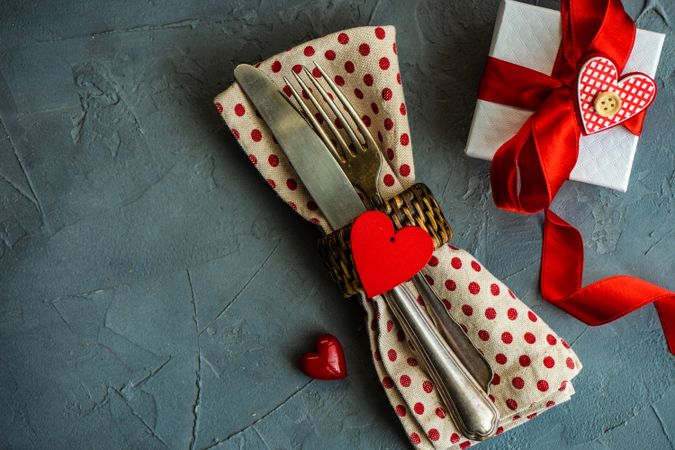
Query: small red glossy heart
[[329, 361], [636, 92], [385, 259]]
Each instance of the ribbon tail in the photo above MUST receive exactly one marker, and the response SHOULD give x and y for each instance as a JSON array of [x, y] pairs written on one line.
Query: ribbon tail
[[562, 258], [600, 302], [666, 309], [504, 173]]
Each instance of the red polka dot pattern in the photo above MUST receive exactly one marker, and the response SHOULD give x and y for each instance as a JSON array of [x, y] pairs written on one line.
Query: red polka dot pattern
[[483, 335], [531, 376], [529, 338], [427, 386], [387, 94]]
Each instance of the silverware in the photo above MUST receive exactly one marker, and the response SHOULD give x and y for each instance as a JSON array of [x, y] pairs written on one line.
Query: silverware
[[362, 160], [323, 177]]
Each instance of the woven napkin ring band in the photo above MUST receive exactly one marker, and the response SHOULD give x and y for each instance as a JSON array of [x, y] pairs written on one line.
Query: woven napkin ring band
[[416, 206]]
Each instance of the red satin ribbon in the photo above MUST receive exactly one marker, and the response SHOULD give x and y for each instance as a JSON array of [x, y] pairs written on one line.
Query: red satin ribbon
[[529, 169]]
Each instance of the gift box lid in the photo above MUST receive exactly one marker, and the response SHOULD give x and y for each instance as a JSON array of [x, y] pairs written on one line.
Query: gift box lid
[[529, 36]]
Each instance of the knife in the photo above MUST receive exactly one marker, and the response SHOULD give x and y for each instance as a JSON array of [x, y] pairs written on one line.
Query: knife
[[474, 413]]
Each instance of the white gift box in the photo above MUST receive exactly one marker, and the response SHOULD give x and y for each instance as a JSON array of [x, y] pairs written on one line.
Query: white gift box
[[529, 36]]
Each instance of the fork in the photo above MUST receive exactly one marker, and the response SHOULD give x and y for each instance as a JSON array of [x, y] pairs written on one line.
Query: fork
[[362, 160]]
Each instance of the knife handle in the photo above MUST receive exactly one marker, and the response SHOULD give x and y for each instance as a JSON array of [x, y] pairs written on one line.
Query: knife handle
[[468, 404]]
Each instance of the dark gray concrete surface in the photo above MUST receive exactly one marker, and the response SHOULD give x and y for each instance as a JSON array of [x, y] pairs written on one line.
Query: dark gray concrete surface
[[154, 292]]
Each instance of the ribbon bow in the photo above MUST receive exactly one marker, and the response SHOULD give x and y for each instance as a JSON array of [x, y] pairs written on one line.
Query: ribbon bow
[[529, 169]]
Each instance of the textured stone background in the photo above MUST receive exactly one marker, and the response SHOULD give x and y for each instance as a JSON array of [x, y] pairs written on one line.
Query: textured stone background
[[155, 293]]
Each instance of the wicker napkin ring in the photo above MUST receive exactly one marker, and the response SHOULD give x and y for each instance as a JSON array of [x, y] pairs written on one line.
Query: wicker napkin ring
[[414, 206]]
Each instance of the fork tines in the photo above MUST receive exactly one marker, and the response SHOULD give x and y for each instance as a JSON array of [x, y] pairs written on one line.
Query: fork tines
[[339, 147]]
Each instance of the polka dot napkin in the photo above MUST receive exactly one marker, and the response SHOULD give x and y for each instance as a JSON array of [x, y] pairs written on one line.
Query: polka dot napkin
[[532, 365]]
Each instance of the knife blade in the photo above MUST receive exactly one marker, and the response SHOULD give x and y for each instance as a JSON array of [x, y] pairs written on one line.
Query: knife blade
[[474, 413], [320, 173]]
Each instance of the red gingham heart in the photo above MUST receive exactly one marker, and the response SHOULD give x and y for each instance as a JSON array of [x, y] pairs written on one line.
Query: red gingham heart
[[636, 91]]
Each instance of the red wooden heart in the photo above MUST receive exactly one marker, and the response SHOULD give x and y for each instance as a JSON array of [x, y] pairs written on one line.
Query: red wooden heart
[[329, 363], [385, 259], [636, 91]]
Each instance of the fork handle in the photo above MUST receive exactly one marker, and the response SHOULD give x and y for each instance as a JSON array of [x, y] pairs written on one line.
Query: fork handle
[[454, 336], [471, 409]]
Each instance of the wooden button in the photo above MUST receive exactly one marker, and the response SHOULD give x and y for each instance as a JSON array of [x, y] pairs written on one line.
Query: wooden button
[[607, 104]]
